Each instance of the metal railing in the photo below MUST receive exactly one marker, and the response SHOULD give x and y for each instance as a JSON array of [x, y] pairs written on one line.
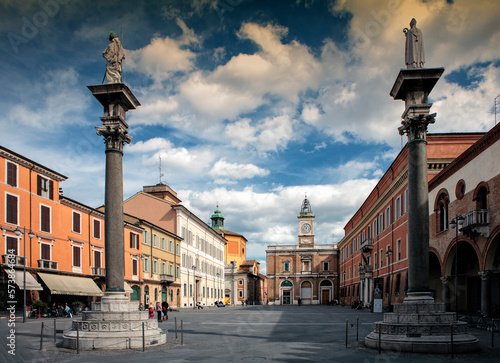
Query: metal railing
[[167, 278]]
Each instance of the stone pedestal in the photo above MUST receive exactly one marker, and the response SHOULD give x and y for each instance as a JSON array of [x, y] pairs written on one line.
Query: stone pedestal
[[423, 328], [114, 323]]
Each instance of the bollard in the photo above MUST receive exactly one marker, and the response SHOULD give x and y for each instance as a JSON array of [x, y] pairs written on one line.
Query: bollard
[[41, 337], [182, 333], [54, 330], [176, 327], [77, 338], [451, 340], [357, 328], [379, 339], [346, 331], [143, 338]]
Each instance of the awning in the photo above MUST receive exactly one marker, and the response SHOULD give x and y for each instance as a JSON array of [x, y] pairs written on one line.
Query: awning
[[127, 287], [70, 285], [31, 283]]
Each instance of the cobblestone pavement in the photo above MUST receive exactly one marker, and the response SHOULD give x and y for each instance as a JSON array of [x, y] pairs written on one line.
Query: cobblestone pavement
[[240, 334]]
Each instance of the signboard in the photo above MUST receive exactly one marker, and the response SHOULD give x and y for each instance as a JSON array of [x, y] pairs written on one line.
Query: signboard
[[378, 293]]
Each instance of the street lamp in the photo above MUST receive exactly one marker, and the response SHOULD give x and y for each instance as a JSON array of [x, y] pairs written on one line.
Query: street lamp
[[194, 283], [18, 232], [218, 286], [453, 224], [389, 254]]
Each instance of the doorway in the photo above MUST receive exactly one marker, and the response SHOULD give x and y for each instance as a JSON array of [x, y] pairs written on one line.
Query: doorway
[[325, 297], [286, 297]]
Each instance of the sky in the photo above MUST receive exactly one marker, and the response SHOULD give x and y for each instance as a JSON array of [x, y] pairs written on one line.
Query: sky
[[249, 105]]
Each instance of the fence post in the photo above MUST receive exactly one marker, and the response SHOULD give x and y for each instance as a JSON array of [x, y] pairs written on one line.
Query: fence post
[[346, 331], [379, 339], [182, 332], [41, 337], [143, 338], [54, 330], [77, 338], [451, 340], [357, 328]]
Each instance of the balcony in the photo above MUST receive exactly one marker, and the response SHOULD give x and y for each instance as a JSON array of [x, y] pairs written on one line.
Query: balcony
[[476, 222], [46, 264], [99, 271], [13, 260], [166, 278], [367, 245]]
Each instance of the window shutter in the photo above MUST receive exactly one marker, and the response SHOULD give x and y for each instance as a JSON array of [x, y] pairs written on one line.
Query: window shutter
[[45, 211], [51, 189], [12, 174], [38, 185], [131, 240], [11, 209]]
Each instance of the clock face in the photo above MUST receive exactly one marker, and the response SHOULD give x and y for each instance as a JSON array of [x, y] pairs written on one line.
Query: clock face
[[306, 228]]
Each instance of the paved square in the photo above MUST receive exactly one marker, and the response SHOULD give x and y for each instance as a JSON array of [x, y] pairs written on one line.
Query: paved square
[[242, 334]]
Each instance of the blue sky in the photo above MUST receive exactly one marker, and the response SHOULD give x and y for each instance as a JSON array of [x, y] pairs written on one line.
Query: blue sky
[[249, 104]]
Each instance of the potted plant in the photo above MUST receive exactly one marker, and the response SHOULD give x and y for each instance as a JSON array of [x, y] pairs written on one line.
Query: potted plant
[[75, 306], [41, 307]]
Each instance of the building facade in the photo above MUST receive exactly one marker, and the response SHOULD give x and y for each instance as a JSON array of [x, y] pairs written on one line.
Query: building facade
[[373, 252], [464, 259], [306, 272]]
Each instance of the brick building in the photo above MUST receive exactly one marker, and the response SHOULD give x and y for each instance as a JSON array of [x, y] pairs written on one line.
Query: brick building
[[307, 272], [374, 247]]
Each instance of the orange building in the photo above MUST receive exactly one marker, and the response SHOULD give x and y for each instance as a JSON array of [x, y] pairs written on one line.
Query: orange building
[[65, 250], [374, 247]]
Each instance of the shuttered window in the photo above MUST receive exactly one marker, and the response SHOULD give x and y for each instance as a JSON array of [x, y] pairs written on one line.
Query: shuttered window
[[45, 218], [12, 207], [12, 174]]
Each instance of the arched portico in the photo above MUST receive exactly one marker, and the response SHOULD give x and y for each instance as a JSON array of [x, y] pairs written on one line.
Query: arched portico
[[325, 291], [286, 292]]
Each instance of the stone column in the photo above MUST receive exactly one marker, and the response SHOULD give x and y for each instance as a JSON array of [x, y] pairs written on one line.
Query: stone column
[[413, 86], [117, 99], [445, 280], [485, 292]]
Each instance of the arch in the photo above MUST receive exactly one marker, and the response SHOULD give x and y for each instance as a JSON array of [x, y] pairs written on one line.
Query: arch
[[450, 254], [326, 283], [286, 283], [306, 292], [434, 251], [478, 187], [441, 210], [481, 195], [326, 291], [136, 293], [492, 251], [435, 285], [286, 292], [146, 295]]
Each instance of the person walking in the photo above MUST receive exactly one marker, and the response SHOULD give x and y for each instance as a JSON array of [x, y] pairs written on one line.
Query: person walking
[[158, 311], [164, 306]]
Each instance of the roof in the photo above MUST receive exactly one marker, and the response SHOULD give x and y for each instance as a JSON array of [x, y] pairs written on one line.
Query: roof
[[225, 231]]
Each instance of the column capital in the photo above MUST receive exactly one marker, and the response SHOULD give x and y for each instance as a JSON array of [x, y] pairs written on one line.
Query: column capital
[[114, 136], [484, 275], [445, 279]]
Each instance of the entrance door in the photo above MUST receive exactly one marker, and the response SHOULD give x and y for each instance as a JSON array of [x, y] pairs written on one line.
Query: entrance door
[[286, 297], [325, 297]]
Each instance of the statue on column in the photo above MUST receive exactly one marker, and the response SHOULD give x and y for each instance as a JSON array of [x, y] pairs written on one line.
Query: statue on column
[[115, 55], [414, 50]]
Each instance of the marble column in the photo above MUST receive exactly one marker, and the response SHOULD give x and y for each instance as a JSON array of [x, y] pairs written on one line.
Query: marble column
[[413, 86], [485, 292], [445, 280]]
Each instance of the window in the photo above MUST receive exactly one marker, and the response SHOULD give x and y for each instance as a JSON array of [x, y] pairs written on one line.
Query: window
[[369, 232], [170, 246], [77, 256], [375, 260], [12, 208], [97, 259], [375, 227], [388, 217], [185, 289], [240, 293], [306, 265], [12, 243], [145, 264], [177, 249], [163, 243], [155, 240], [45, 250], [77, 222], [380, 223], [397, 208], [134, 241], [398, 252], [326, 265], [145, 237], [45, 219], [441, 210], [177, 271], [240, 282], [286, 266], [45, 187], [11, 174], [97, 229], [381, 258], [190, 290], [405, 202], [155, 266], [203, 291]]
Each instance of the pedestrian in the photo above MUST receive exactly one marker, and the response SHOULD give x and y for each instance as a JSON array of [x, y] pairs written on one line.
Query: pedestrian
[[246, 302], [151, 312], [158, 311], [164, 306], [67, 310]]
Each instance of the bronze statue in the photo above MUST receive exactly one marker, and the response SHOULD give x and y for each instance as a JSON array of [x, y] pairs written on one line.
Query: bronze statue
[[115, 55], [414, 50]]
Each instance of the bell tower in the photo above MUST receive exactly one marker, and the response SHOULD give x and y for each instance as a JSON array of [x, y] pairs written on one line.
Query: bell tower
[[306, 224], [217, 219]]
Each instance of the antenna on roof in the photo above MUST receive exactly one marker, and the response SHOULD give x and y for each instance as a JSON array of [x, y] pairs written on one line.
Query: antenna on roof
[[497, 107], [161, 174]]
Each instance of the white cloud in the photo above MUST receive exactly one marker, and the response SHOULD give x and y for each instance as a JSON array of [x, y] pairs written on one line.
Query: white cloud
[[234, 171]]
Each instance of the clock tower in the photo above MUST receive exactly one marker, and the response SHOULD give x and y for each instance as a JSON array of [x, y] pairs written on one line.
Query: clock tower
[[306, 224]]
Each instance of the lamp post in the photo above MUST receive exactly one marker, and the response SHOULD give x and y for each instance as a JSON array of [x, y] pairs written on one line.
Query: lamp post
[[30, 235], [455, 223], [389, 256], [218, 286], [194, 283]]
